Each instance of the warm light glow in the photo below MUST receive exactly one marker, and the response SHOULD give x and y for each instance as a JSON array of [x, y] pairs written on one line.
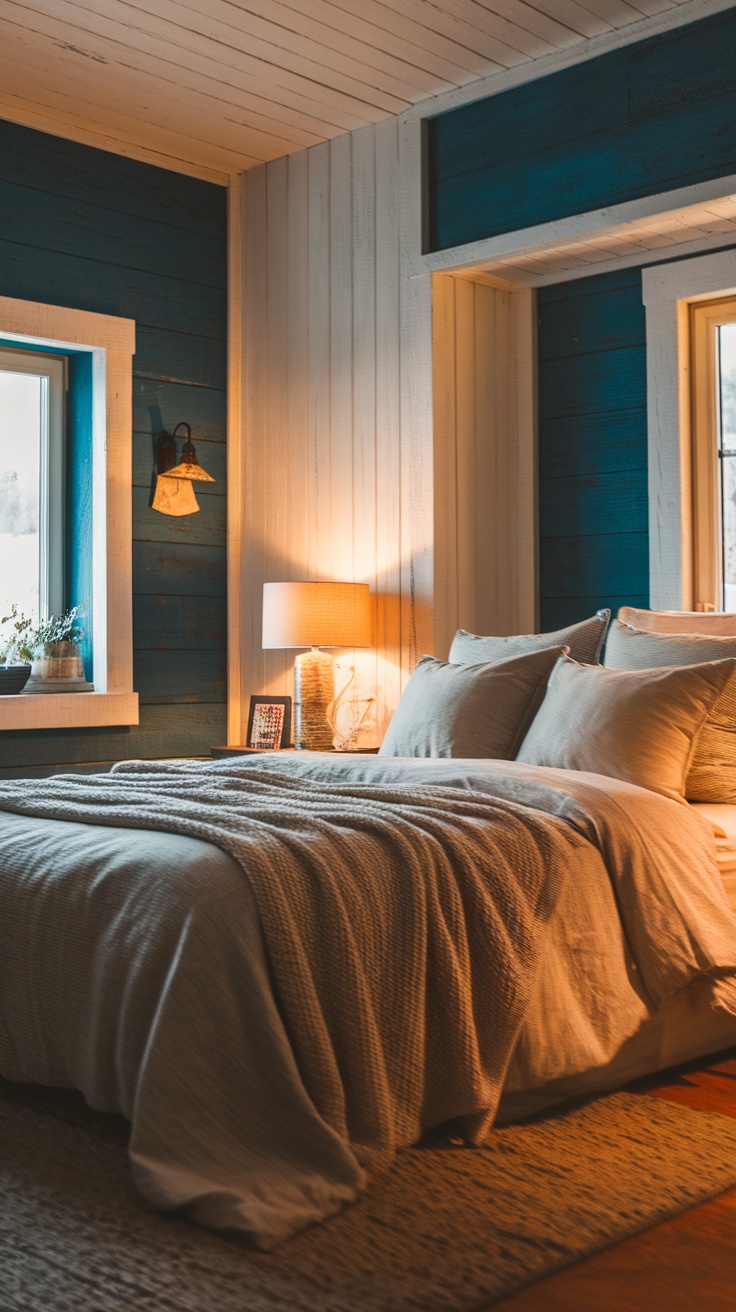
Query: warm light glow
[[316, 615], [174, 497]]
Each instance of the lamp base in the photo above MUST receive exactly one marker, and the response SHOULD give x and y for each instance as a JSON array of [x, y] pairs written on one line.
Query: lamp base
[[314, 690]]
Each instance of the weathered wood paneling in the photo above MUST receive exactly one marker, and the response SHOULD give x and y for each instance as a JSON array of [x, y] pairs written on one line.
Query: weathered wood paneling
[[593, 485], [89, 230], [631, 123]]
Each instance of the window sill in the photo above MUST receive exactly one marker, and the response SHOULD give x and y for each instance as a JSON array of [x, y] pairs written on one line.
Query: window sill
[[67, 710]]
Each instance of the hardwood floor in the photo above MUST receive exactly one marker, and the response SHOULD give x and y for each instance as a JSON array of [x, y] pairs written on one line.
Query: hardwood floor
[[683, 1265]]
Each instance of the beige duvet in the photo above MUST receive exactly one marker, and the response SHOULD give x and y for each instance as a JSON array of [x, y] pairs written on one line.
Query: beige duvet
[[281, 977]]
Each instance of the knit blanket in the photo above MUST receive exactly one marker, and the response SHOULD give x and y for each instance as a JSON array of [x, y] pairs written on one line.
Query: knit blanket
[[402, 943]]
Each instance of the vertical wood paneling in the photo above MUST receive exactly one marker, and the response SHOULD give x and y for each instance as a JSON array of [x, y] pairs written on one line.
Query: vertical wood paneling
[[484, 461], [388, 426], [337, 406]]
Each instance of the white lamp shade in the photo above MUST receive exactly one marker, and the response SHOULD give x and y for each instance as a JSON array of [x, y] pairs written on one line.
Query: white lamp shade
[[316, 615]]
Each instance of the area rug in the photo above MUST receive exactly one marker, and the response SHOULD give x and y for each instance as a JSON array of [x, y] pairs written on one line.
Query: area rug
[[448, 1229]]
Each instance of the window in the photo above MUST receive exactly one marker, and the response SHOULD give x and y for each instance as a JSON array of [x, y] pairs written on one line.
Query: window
[[32, 482], [713, 426], [85, 469], [691, 356]]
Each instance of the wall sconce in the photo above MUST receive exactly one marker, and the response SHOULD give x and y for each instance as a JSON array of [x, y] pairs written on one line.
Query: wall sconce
[[315, 615], [174, 494]]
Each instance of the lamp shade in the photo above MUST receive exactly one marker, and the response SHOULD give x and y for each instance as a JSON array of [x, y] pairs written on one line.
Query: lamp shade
[[316, 615]]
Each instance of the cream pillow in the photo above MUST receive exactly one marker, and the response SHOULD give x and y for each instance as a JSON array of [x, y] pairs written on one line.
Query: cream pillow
[[712, 775], [637, 725], [468, 710], [584, 641]]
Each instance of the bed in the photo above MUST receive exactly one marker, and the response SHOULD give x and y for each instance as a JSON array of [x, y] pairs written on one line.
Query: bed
[[149, 963]]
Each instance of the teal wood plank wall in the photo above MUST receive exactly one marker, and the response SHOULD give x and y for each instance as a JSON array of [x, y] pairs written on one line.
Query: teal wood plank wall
[[594, 548], [86, 229], [656, 115]]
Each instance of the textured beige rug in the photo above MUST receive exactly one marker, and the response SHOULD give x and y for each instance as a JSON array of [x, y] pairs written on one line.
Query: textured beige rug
[[447, 1230]]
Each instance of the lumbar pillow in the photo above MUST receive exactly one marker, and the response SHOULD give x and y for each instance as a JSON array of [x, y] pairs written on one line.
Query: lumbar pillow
[[468, 710], [584, 641], [712, 776], [637, 725]]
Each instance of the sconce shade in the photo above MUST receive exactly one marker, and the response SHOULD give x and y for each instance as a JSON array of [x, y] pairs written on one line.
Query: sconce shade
[[316, 615], [174, 496], [188, 467]]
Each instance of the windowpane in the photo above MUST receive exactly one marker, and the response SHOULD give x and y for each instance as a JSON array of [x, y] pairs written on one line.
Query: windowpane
[[20, 470], [727, 441]]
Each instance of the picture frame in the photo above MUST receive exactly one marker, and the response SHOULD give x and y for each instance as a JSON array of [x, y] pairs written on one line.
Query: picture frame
[[269, 723]]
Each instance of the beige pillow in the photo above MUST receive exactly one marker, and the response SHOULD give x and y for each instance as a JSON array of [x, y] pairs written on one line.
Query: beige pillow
[[637, 725], [712, 775], [584, 641], [468, 710], [706, 622]]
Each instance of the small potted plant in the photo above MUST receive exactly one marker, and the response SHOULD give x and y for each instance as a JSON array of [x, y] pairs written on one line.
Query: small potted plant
[[57, 660], [16, 652]]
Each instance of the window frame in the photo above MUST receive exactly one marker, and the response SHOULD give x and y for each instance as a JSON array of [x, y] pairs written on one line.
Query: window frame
[[705, 318], [110, 342], [669, 291]]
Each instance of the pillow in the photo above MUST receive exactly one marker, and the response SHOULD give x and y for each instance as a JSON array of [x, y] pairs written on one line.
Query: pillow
[[628, 648], [637, 725], [712, 776], [468, 710], [584, 641], [679, 621]]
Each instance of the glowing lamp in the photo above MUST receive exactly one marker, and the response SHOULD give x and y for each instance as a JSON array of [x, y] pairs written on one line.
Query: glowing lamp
[[315, 615]]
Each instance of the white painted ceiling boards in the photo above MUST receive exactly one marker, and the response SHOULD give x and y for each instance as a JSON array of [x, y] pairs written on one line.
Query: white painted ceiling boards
[[213, 87]]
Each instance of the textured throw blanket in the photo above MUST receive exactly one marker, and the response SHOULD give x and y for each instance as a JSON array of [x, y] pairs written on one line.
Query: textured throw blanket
[[402, 943]]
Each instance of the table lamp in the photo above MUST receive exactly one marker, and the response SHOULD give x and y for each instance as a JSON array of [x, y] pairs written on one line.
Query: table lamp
[[315, 615]]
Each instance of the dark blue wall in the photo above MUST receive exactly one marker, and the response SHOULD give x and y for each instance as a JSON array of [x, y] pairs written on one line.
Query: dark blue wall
[[654, 116], [93, 231], [657, 115], [592, 447]]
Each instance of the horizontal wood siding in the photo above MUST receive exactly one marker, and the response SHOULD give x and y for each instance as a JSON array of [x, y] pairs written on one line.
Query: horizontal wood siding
[[649, 118], [93, 231], [593, 506]]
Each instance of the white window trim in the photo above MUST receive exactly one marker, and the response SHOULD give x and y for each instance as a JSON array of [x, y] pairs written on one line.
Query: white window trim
[[111, 343], [668, 291]]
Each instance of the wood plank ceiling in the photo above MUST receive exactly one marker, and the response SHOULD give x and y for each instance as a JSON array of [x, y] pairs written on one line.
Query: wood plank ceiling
[[213, 87]]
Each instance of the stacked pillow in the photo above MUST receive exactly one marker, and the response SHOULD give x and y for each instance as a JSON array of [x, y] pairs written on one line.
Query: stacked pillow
[[642, 725], [661, 712], [712, 773], [584, 641], [469, 710], [481, 702]]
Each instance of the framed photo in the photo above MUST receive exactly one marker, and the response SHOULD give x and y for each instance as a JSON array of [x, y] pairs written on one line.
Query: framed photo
[[269, 723]]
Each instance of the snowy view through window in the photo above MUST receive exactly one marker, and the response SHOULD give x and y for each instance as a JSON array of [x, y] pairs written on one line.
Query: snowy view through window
[[20, 453]]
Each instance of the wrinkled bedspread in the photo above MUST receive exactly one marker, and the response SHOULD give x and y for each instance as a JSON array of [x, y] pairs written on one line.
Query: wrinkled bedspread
[[356, 969]]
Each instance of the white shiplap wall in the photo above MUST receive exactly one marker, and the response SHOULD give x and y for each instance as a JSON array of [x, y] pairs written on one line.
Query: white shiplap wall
[[331, 431], [338, 426]]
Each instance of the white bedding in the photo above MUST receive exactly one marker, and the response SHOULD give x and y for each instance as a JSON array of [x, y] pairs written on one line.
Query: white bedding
[[134, 969]]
